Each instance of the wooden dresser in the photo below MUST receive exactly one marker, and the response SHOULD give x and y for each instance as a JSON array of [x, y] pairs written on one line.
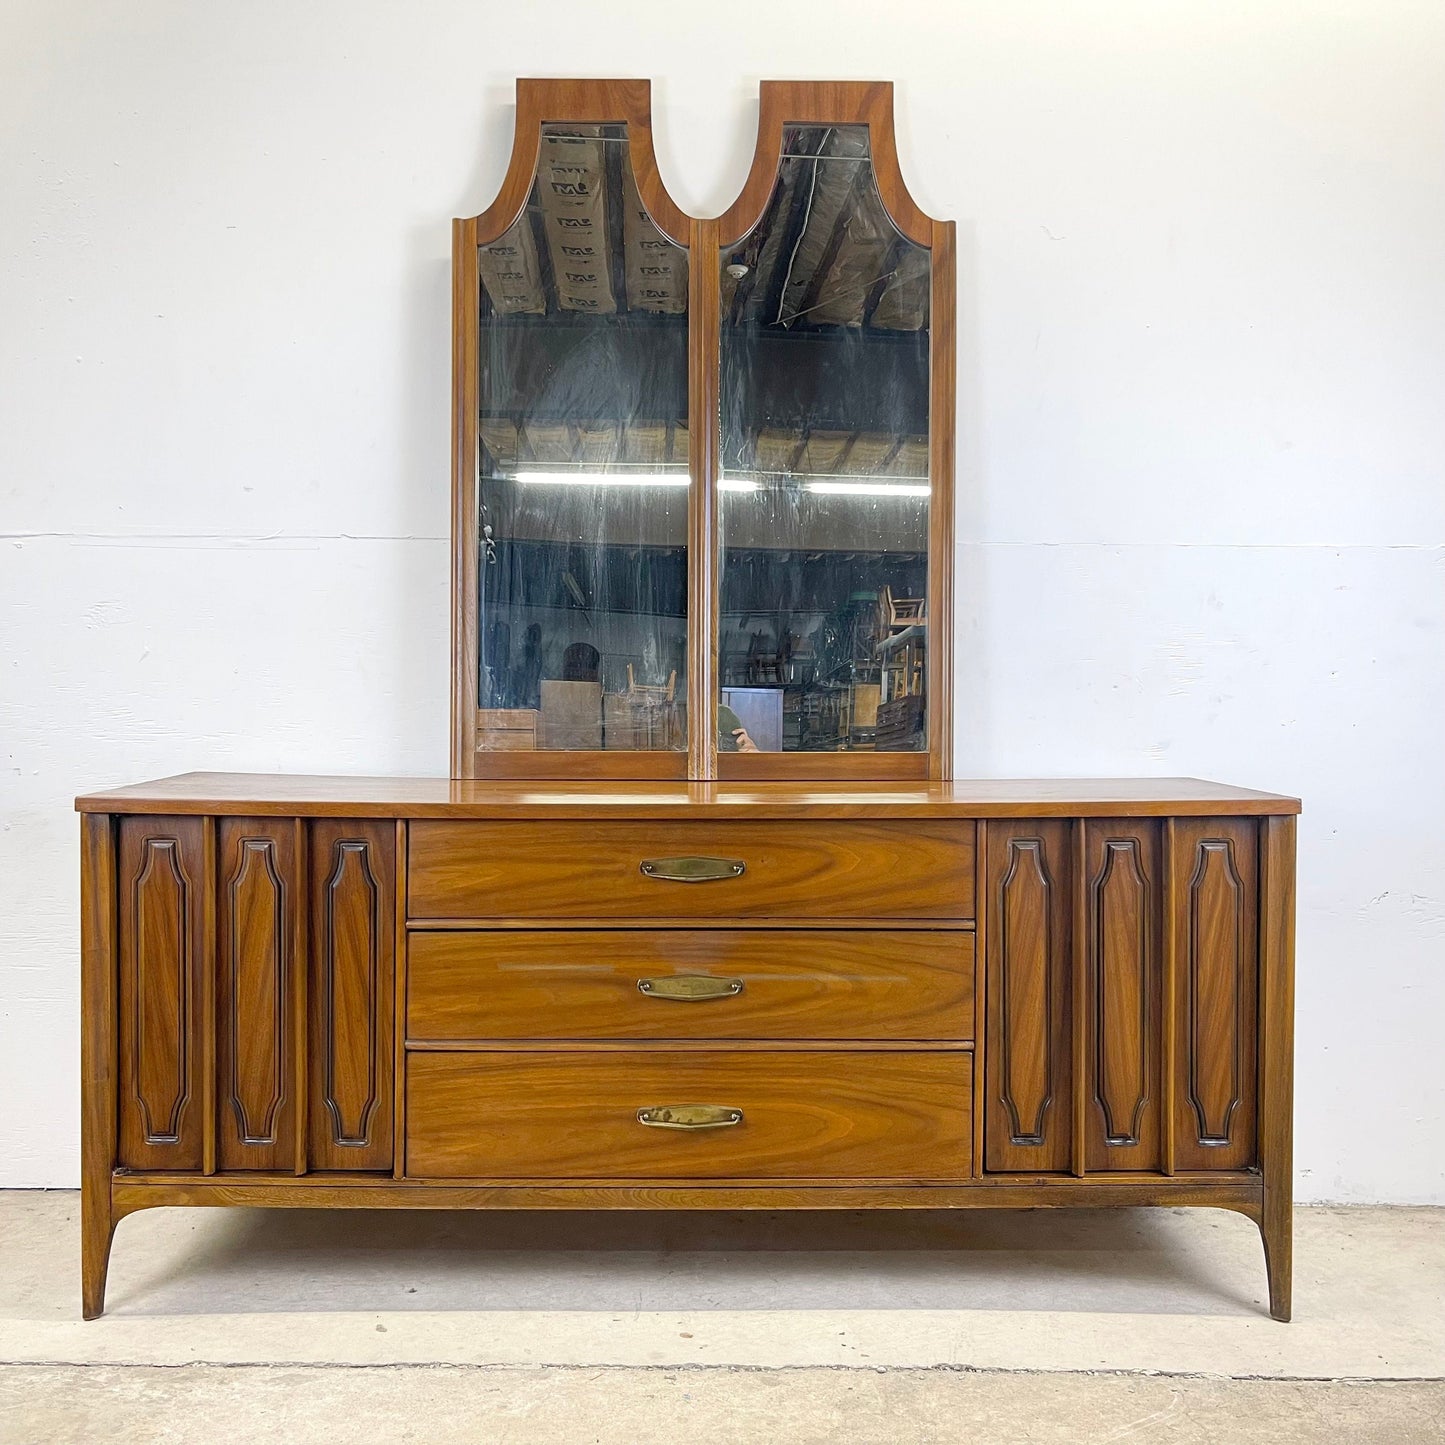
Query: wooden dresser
[[414, 993]]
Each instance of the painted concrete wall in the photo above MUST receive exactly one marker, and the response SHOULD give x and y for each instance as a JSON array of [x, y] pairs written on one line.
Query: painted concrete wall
[[1202, 304]]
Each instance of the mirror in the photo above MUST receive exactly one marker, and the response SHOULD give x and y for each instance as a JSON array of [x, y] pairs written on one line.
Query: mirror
[[582, 500], [824, 464]]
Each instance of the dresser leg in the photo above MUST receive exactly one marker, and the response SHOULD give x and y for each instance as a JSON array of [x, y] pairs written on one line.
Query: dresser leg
[[97, 1229], [1276, 1228], [98, 1054]]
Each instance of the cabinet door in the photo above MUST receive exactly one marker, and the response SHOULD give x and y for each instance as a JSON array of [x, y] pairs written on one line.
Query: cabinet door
[[1213, 915], [353, 911], [260, 952], [162, 878], [1028, 943], [1122, 987]]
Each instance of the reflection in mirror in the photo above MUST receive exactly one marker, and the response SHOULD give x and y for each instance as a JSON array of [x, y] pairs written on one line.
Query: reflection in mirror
[[824, 462], [583, 467]]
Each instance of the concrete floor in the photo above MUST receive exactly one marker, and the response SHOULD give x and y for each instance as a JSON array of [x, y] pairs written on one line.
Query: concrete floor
[[1035, 1325]]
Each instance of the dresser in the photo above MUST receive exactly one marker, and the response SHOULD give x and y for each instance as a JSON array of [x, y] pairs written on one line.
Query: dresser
[[465, 994]]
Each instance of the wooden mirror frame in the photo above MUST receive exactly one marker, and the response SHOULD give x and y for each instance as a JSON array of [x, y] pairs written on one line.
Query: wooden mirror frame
[[782, 103]]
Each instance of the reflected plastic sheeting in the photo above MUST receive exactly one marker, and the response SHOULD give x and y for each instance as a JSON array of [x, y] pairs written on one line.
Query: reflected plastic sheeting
[[583, 466], [825, 461]]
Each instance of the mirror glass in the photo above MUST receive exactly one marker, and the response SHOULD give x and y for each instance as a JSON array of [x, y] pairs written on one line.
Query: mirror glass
[[824, 479], [583, 465]]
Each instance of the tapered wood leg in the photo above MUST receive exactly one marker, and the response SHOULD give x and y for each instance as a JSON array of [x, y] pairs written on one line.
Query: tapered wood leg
[[1276, 1050], [1276, 1228], [97, 1229], [97, 1055]]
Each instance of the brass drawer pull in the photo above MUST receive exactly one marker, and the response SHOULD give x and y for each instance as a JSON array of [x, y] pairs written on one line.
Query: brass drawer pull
[[689, 1116], [690, 987], [692, 870]]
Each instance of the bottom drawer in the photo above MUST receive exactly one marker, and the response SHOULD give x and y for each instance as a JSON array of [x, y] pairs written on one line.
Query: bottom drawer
[[786, 1114]]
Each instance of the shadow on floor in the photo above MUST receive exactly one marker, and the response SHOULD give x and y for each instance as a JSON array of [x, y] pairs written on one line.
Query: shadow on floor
[[211, 1261]]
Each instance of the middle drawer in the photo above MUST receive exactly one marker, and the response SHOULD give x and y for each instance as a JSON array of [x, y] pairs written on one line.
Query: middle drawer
[[904, 984]]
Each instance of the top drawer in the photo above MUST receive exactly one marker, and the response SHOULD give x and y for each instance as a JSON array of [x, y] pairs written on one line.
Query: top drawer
[[905, 868]]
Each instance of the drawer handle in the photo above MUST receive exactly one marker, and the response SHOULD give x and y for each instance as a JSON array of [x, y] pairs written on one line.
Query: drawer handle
[[692, 870], [689, 1116], [690, 987]]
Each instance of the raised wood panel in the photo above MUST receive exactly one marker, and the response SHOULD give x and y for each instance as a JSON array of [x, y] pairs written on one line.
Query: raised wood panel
[[1027, 1123], [162, 885], [854, 1114], [352, 994], [584, 984], [1214, 915], [260, 950], [919, 868], [1122, 989]]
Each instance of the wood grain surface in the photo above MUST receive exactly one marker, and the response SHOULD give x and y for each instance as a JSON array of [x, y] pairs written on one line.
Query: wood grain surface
[[1028, 1121], [305, 795], [358, 1191], [261, 951], [162, 888], [851, 1113], [815, 984], [1120, 999], [852, 869], [1214, 915], [352, 994]]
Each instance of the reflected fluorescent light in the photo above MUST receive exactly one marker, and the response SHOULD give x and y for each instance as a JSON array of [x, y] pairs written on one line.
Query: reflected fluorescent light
[[869, 489], [827, 487], [604, 479]]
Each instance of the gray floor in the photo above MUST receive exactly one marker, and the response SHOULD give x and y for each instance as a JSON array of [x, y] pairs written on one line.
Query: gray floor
[[1042, 1325]]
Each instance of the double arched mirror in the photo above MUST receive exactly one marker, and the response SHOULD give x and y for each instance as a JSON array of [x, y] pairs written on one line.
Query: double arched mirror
[[702, 499]]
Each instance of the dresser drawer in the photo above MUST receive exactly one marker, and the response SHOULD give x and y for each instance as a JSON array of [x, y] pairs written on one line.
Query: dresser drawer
[[904, 868], [788, 1115], [687, 983]]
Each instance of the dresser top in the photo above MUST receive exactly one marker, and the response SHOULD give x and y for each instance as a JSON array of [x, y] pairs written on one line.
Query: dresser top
[[301, 795]]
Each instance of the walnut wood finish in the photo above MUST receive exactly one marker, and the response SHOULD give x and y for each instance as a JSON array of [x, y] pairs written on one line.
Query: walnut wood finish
[[942, 364], [1121, 1004], [1028, 1123], [162, 888], [850, 870], [537, 1115], [260, 962], [818, 984], [99, 1061], [1213, 908], [1154, 939], [300, 795], [1276, 1056], [352, 994], [1239, 1193]]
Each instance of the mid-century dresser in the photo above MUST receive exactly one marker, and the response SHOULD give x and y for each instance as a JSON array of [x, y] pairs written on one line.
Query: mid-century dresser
[[700, 919]]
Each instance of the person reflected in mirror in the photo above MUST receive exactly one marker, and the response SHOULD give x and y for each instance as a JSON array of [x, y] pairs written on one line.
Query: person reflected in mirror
[[732, 736]]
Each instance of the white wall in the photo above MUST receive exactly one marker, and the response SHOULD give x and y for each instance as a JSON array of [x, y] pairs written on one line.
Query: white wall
[[1202, 304]]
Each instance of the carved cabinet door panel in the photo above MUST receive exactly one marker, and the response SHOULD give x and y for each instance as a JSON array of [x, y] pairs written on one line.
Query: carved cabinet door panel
[[353, 910], [1213, 907], [260, 947], [161, 911], [1122, 981], [1028, 943]]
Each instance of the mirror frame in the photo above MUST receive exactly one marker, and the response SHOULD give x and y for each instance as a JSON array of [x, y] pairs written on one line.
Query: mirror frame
[[782, 103]]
